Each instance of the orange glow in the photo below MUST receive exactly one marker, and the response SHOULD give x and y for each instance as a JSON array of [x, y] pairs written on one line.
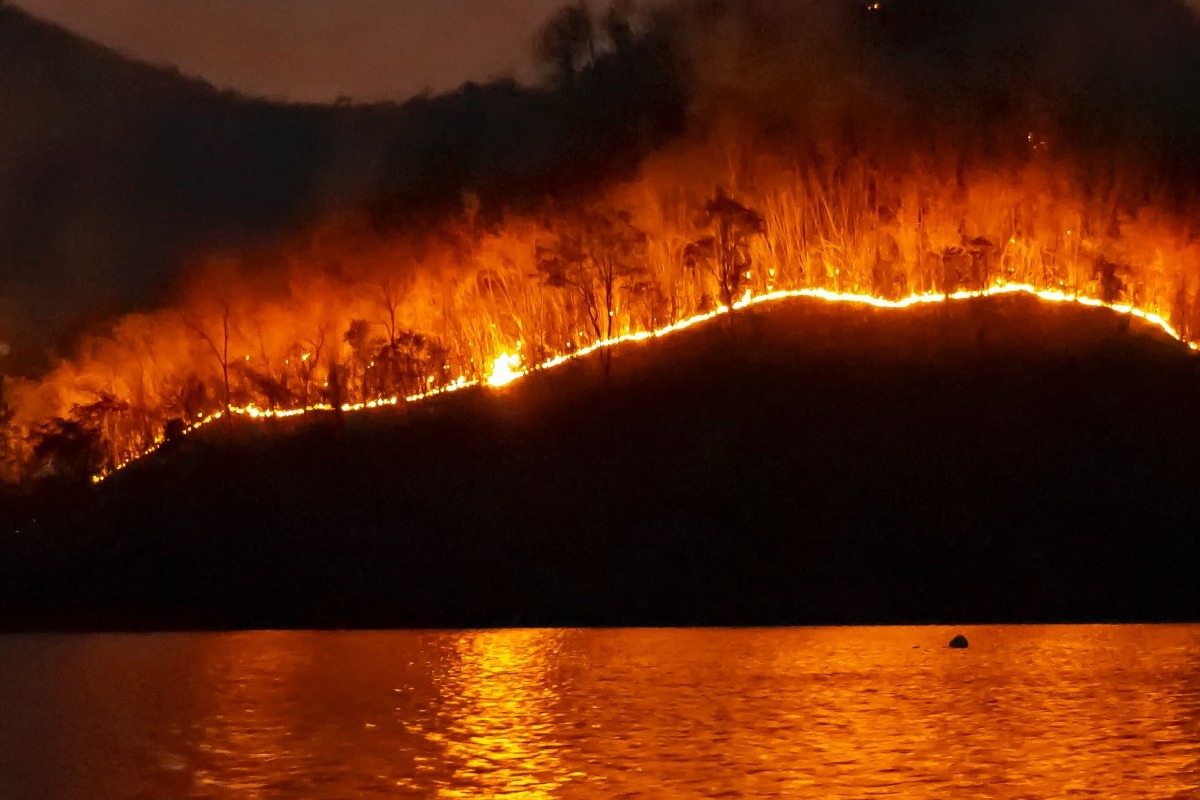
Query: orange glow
[[351, 319], [833, 713], [501, 731], [507, 369]]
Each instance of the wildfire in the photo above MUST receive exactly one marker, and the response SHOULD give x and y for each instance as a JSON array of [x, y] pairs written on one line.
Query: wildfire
[[506, 369], [851, 191]]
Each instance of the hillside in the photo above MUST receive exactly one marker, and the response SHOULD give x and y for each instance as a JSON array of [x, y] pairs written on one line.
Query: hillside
[[995, 460], [116, 175]]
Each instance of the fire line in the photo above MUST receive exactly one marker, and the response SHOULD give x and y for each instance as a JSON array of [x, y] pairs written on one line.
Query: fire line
[[507, 369]]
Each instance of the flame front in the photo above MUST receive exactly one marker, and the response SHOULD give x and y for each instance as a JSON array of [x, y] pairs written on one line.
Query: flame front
[[507, 368]]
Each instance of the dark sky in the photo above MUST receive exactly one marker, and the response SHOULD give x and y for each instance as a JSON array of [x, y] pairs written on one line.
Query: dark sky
[[315, 49]]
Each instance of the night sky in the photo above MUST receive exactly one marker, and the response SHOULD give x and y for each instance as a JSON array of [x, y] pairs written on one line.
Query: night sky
[[316, 50]]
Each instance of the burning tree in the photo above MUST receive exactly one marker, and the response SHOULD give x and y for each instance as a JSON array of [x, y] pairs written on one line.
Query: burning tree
[[306, 362], [218, 344], [358, 337], [405, 363], [115, 421], [725, 251], [69, 449], [186, 399], [602, 254], [400, 362], [1108, 274]]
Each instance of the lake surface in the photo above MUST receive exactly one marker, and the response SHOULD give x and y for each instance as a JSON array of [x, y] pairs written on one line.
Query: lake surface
[[1025, 712]]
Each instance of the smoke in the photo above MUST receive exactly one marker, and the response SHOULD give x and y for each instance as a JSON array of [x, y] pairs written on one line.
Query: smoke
[[1091, 78]]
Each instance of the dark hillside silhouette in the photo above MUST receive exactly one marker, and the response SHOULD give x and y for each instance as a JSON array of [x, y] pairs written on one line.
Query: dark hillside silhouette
[[811, 464]]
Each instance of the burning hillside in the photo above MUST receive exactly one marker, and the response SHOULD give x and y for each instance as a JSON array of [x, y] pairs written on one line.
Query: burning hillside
[[988, 459], [897, 153]]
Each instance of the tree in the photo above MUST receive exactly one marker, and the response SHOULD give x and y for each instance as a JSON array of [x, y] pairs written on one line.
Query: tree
[[219, 344], [385, 353], [1108, 274], [173, 431], [273, 386], [725, 251], [358, 336], [309, 358], [272, 390], [616, 250], [418, 357], [603, 254], [68, 449], [335, 390], [186, 399], [105, 415], [387, 298]]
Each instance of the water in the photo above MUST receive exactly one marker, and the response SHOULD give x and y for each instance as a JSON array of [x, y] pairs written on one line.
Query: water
[[1026, 712]]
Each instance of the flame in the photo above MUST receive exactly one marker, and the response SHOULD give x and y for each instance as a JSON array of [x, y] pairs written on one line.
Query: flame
[[407, 317], [507, 368]]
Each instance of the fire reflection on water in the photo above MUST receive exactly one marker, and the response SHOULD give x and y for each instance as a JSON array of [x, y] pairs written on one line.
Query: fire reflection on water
[[809, 713], [500, 716], [249, 743]]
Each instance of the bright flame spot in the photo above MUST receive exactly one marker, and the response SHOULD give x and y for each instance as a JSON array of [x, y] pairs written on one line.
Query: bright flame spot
[[506, 369]]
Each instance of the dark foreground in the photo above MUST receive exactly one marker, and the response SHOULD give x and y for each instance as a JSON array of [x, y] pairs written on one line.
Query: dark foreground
[[995, 461]]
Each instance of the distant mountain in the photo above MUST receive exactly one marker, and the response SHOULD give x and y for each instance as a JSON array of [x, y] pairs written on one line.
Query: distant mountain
[[114, 173]]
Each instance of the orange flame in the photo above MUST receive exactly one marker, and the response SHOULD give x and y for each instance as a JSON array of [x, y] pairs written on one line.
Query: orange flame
[[507, 368]]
